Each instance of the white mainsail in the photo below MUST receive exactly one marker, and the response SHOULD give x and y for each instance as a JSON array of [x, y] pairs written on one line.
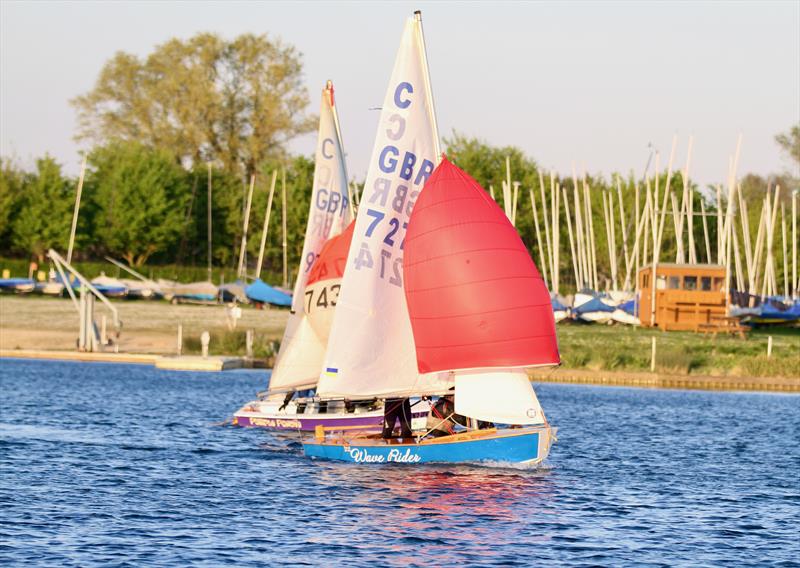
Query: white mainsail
[[504, 396], [371, 347], [302, 349]]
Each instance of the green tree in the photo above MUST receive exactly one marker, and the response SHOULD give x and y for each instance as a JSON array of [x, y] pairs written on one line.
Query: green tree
[[12, 180], [45, 213], [234, 102], [140, 197], [790, 143]]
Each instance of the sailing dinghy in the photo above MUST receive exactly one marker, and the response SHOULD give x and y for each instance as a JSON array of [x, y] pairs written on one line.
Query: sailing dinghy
[[289, 403], [420, 312]]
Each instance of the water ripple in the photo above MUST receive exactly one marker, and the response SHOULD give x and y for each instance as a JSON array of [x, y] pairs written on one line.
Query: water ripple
[[129, 466]]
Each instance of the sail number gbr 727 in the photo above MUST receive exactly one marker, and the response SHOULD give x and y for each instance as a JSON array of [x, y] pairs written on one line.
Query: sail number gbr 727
[[392, 195]]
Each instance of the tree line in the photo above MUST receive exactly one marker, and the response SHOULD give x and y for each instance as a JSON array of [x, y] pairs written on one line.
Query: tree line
[[155, 123]]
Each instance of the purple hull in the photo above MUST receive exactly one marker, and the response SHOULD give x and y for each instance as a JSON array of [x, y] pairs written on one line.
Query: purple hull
[[372, 422], [308, 424]]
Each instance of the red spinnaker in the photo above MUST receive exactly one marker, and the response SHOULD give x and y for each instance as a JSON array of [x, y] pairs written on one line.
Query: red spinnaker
[[332, 258], [475, 297]]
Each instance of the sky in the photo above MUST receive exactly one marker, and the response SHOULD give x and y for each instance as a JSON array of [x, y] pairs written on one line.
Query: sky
[[595, 84]]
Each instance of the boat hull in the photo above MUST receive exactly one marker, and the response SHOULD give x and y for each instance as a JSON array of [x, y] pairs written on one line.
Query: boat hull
[[372, 421], [528, 445], [267, 414]]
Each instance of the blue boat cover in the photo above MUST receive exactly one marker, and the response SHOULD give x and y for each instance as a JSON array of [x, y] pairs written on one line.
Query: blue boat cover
[[557, 306], [778, 310], [14, 282], [629, 307], [593, 305], [74, 283], [260, 291]]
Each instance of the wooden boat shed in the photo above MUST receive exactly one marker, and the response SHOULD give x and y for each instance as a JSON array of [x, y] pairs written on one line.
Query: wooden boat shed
[[688, 296]]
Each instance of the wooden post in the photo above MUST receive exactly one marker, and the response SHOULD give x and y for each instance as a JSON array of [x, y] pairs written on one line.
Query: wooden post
[[653, 354], [205, 339], [179, 345], [266, 224], [283, 220], [538, 237], [75, 211], [81, 319], [769, 346], [248, 340], [245, 225]]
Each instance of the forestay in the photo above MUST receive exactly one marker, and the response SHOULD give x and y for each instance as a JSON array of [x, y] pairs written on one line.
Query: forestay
[[371, 348], [302, 349]]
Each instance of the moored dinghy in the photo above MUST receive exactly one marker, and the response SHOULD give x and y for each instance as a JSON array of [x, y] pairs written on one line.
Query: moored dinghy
[[17, 285]]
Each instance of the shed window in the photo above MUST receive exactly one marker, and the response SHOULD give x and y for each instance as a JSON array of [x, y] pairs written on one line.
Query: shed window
[[690, 282], [718, 282], [661, 282], [705, 283], [674, 283]]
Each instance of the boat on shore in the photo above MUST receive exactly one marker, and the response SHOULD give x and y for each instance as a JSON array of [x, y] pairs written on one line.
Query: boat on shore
[[260, 292], [50, 288], [17, 285]]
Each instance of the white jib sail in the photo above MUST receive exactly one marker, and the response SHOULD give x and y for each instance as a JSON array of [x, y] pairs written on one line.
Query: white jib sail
[[371, 347], [502, 396], [302, 349]]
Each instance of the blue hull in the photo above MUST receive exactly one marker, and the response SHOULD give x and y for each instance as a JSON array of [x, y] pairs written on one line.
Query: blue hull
[[523, 445]]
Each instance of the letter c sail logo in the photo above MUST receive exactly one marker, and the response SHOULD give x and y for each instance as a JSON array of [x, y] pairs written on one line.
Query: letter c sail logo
[[324, 143]]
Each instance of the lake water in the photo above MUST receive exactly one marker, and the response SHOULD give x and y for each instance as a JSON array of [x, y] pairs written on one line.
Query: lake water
[[105, 464]]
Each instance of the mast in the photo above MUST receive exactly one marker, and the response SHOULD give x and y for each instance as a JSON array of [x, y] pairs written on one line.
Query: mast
[[283, 227], [266, 224], [245, 225], [208, 226], [426, 77], [340, 140], [75, 212]]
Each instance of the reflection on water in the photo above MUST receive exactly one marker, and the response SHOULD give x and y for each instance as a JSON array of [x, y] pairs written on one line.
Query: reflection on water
[[110, 464]]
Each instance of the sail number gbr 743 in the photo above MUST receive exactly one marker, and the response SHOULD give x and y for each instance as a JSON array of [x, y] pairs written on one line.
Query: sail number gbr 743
[[392, 195]]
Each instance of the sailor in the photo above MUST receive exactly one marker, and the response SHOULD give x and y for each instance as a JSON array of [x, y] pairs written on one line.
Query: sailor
[[395, 409], [443, 419]]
